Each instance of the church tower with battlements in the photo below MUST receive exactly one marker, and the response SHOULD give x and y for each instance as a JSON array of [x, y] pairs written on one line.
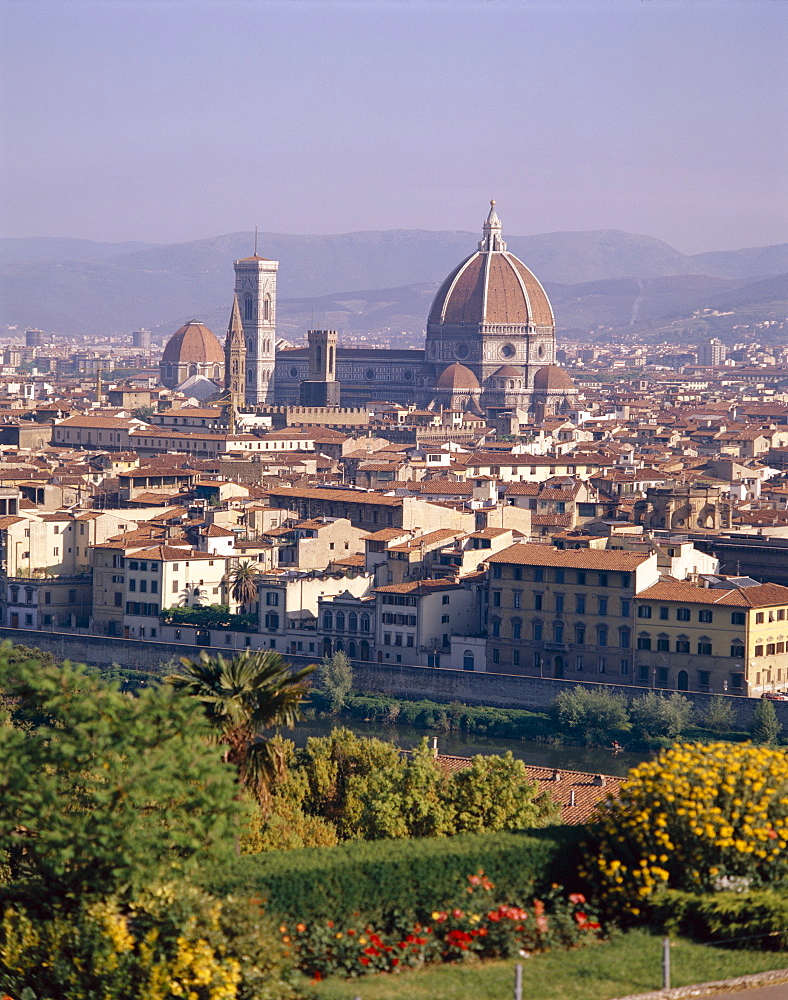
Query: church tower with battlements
[[255, 289]]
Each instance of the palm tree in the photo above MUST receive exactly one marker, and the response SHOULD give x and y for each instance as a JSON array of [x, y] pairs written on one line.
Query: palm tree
[[242, 697], [243, 580]]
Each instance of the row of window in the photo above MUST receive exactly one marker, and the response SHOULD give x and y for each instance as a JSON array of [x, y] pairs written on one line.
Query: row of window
[[141, 608], [582, 577], [685, 614], [338, 621], [772, 649], [559, 603], [30, 596]]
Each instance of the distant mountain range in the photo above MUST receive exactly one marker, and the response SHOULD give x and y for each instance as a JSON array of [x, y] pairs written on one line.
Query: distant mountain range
[[605, 278]]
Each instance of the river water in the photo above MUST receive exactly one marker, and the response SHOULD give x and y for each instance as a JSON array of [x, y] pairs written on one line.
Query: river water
[[468, 745]]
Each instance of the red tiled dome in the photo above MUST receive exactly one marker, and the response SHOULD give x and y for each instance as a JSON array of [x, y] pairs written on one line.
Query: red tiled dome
[[457, 377], [553, 377], [508, 371], [193, 344], [491, 286]]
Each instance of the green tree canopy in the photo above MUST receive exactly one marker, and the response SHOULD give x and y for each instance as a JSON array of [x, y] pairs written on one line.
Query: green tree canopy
[[103, 792]]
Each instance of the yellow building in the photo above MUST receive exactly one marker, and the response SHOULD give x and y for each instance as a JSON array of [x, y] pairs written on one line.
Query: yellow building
[[727, 637]]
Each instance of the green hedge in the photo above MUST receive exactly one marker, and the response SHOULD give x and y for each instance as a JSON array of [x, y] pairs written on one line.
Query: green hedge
[[374, 878], [754, 919]]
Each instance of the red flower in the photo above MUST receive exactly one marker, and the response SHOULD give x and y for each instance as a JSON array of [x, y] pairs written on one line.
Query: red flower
[[369, 950], [317, 977], [538, 907], [364, 960], [773, 834], [456, 914], [350, 931], [581, 918], [395, 961], [576, 898], [593, 925], [330, 923]]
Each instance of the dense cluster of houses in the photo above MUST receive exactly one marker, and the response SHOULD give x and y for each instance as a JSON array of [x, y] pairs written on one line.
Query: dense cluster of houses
[[627, 541]]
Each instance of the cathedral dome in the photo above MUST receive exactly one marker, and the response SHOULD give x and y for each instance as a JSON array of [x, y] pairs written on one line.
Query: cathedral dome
[[457, 377], [193, 344], [492, 286], [555, 379], [508, 371]]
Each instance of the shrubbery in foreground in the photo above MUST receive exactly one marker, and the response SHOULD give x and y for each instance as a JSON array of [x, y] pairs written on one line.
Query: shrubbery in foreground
[[700, 818]]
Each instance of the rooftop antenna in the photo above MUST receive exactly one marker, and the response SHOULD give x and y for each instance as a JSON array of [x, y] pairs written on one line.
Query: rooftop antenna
[[255, 241]]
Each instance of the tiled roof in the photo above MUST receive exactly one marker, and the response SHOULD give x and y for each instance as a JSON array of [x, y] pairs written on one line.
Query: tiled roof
[[763, 596], [417, 588], [590, 790], [335, 496], [545, 555]]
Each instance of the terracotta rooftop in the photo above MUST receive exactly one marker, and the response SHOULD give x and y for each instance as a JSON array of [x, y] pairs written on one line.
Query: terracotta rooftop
[[763, 596], [577, 792], [545, 555]]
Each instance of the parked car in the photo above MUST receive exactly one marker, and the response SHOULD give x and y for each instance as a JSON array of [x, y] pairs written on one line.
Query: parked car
[[775, 696]]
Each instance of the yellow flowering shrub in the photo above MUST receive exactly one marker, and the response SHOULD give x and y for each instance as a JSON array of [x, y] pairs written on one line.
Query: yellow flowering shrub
[[700, 818], [171, 942]]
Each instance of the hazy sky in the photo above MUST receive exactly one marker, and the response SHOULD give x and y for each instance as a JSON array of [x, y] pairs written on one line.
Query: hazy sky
[[173, 120]]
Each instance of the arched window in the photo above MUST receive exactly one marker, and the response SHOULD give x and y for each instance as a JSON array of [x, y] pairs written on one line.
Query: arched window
[[682, 682], [365, 623], [537, 630], [364, 650], [331, 361], [267, 309], [328, 621], [352, 622], [467, 660], [340, 621], [247, 307], [339, 646], [601, 635], [624, 638], [351, 650], [517, 628]]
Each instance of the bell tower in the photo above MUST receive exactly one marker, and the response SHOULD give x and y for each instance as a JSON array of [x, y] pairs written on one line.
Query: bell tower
[[255, 289], [235, 358]]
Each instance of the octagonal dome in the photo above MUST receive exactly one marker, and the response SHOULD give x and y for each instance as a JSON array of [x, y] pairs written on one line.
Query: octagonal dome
[[492, 286], [193, 344]]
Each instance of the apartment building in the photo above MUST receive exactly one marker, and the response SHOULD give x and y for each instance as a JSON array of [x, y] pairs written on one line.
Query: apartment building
[[564, 613], [133, 581], [726, 635], [415, 621]]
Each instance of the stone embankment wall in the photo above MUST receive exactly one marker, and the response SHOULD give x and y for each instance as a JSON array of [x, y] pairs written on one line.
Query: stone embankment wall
[[469, 687]]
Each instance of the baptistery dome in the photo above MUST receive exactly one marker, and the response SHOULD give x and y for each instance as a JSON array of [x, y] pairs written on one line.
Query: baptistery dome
[[191, 350]]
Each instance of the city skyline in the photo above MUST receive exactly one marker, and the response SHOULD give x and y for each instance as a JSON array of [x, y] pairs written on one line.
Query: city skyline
[[176, 121]]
